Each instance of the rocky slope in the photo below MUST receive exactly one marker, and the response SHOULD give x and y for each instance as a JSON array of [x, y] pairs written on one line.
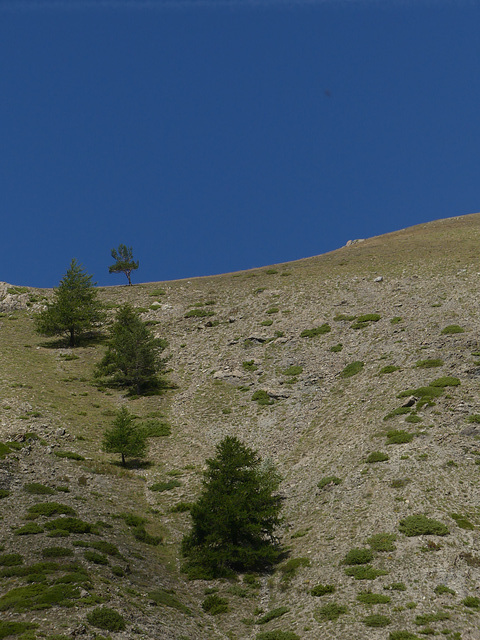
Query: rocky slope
[[383, 305]]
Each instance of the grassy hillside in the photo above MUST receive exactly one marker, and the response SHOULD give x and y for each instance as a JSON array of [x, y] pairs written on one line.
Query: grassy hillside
[[368, 358]]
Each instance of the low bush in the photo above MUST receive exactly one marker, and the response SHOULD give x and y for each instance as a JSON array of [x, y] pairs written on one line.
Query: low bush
[[462, 521], [352, 369], [274, 613], [32, 528], [399, 483], [376, 620], [272, 310], [289, 569], [367, 597], [402, 635], [446, 381], [322, 590], [154, 428], [162, 597], [420, 525], [452, 328], [199, 313], [342, 317], [4, 493], [327, 480], [358, 556], [35, 488], [399, 437], [261, 397], [71, 525], [336, 348], [294, 370], [364, 572], [71, 455], [249, 365], [382, 541], [399, 411], [377, 456], [330, 611], [49, 509], [422, 392], [107, 619], [165, 486], [10, 560], [390, 368], [432, 617], [475, 418], [429, 363], [215, 605], [442, 588], [140, 534], [95, 557], [316, 331], [9, 628], [181, 507], [396, 586], [471, 602], [56, 552]]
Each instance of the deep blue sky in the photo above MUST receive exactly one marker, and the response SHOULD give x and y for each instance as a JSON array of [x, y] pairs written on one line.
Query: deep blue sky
[[218, 135]]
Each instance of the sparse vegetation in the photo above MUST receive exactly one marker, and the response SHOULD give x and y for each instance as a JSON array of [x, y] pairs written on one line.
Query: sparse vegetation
[[377, 456], [107, 619], [262, 398], [330, 611], [214, 605], [316, 331], [367, 597], [328, 480], [382, 542], [271, 615], [429, 363], [322, 590], [452, 328]]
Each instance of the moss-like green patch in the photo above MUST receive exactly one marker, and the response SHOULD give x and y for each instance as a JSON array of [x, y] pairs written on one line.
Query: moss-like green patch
[[358, 556], [71, 525], [390, 368], [336, 348], [70, 455], [215, 605], [154, 428], [294, 370], [382, 542], [446, 381], [32, 528], [35, 488], [10, 559], [364, 572], [56, 552], [322, 589], [105, 618], [420, 525], [199, 313], [377, 456], [316, 331], [452, 328], [49, 509], [376, 620], [367, 597], [166, 598], [165, 486], [442, 589], [289, 569], [10, 628], [399, 437], [352, 369], [271, 615], [330, 611], [429, 363], [249, 365], [399, 411], [432, 617], [462, 521], [38, 596], [261, 397], [328, 480]]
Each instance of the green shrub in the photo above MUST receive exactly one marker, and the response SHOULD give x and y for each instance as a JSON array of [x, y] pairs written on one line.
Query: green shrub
[[132, 520], [396, 320], [49, 509], [399, 411], [420, 525], [157, 292], [472, 602], [475, 418], [330, 611], [294, 370], [352, 369], [429, 363], [262, 397], [422, 392], [72, 525], [32, 528], [382, 541], [452, 328], [181, 507], [336, 348], [277, 635], [71, 455], [399, 483], [38, 596], [390, 368], [4, 493], [165, 486], [396, 586], [364, 572], [249, 365], [56, 552], [328, 480], [271, 272], [108, 619], [274, 613], [118, 571], [266, 323], [214, 604], [367, 597], [358, 556], [140, 534], [343, 317], [10, 559], [432, 617], [322, 589], [35, 488], [369, 317], [413, 419], [9, 628], [95, 557], [316, 331], [5, 449], [399, 437], [272, 310], [462, 521], [442, 588], [376, 620], [154, 428], [446, 381], [377, 456], [160, 596], [199, 313]]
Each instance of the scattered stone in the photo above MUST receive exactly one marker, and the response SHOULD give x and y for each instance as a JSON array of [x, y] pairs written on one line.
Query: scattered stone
[[409, 402], [379, 279]]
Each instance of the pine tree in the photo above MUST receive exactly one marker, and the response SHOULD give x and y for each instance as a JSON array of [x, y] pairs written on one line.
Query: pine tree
[[75, 308], [124, 262], [132, 357], [125, 438], [235, 518]]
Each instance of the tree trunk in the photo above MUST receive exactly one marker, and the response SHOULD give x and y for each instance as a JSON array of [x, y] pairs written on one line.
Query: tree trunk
[[123, 460], [72, 337]]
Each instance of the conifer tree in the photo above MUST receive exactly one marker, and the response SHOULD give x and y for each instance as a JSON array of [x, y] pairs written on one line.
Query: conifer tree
[[236, 516], [124, 437], [124, 262], [75, 308], [132, 358]]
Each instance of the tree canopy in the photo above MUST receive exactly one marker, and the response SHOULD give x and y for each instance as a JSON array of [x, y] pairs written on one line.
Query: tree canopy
[[132, 358], [125, 437], [124, 262], [75, 308], [235, 518]]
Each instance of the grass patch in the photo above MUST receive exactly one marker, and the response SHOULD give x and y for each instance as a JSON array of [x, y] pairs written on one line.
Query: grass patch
[[38, 596], [289, 569], [376, 620], [399, 437], [35, 488], [429, 363], [199, 313], [4, 493], [249, 365], [272, 310], [327, 480], [32, 528], [442, 589], [322, 590], [377, 456], [154, 428], [49, 509], [420, 525], [432, 617], [262, 398], [95, 557], [471, 602], [107, 619], [316, 331], [166, 598], [402, 635], [71, 455], [427, 392], [165, 486], [352, 369], [474, 418], [294, 370], [266, 323], [10, 559], [10, 628], [70, 525], [277, 635], [367, 597], [336, 348], [399, 411], [274, 613], [358, 556], [56, 552], [364, 572], [214, 605], [462, 521], [452, 328], [446, 381], [390, 368], [330, 611], [382, 542]]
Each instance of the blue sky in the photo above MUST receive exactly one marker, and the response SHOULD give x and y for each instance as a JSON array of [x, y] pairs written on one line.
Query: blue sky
[[218, 135]]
